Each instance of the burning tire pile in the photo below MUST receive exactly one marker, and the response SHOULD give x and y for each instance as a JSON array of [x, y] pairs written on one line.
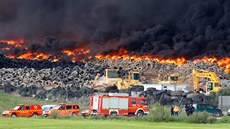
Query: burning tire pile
[[44, 79]]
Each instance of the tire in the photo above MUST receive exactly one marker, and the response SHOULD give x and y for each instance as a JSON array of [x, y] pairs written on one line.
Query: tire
[[113, 113], [217, 114], [35, 115], [140, 113], [74, 114], [177, 93], [109, 88], [13, 115], [114, 91]]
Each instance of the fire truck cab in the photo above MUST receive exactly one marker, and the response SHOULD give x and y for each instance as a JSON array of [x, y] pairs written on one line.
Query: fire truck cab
[[117, 104], [24, 111]]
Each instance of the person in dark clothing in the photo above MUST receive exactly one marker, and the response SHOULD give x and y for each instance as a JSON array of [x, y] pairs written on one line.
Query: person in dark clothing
[[172, 112], [187, 109], [192, 109]]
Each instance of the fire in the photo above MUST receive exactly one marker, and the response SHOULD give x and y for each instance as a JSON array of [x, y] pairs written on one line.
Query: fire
[[83, 53], [123, 54], [16, 43], [222, 63], [34, 56], [76, 54]]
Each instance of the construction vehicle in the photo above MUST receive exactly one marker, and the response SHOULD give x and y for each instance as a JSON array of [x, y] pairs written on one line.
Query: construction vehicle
[[169, 79], [117, 104], [112, 77], [24, 111], [213, 85]]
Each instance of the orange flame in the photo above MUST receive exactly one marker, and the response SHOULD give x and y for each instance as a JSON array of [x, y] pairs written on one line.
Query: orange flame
[[123, 54], [16, 43], [76, 53], [34, 56]]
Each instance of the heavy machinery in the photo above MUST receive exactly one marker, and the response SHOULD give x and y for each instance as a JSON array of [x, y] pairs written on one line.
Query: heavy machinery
[[169, 79], [112, 77], [213, 84]]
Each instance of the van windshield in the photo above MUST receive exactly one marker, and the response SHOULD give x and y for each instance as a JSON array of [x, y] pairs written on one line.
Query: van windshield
[[16, 108]]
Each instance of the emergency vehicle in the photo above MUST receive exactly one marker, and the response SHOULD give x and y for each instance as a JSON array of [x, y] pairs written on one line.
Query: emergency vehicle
[[64, 110], [117, 104], [24, 111]]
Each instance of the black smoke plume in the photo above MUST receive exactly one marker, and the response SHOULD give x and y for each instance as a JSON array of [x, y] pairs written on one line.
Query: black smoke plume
[[165, 28]]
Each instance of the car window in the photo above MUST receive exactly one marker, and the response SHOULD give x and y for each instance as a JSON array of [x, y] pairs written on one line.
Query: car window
[[75, 107], [27, 107], [16, 108], [62, 108], [134, 101], [69, 107], [144, 102]]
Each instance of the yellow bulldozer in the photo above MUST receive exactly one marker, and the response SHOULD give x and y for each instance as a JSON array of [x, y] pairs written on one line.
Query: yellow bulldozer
[[169, 79], [112, 77]]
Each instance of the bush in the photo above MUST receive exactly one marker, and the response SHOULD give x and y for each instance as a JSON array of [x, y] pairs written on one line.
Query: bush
[[54, 114], [98, 117], [225, 119], [159, 113], [198, 117], [211, 120], [224, 91]]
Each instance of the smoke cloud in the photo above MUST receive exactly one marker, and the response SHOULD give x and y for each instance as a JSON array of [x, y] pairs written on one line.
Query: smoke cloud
[[165, 28]]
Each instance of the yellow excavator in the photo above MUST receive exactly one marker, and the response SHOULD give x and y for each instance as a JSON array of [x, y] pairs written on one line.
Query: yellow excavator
[[213, 85], [111, 77]]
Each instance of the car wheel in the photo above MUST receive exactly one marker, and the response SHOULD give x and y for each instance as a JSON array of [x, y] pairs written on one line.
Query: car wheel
[[113, 113], [140, 113], [74, 114], [35, 115], [13, 115], [217, 114]]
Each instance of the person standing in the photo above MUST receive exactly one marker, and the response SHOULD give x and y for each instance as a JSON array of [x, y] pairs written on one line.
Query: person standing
[[172, 112], [176, 110], [187, 109]]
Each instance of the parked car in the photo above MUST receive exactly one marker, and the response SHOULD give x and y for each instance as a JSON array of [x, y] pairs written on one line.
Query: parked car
[[229, 112], [46, 108], [64, 110], [213, 110]]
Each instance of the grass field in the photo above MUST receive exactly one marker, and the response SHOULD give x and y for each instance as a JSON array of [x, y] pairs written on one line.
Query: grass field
[[9, 101], [38, 123]]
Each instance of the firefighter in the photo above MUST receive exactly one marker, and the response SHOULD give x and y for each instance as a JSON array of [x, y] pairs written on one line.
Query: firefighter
[[176, 110]]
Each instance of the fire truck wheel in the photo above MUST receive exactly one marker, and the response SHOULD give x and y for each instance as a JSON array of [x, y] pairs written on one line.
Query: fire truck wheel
[[74, 114], [140, 113], [35, 115], [113, 113], [13, 115]]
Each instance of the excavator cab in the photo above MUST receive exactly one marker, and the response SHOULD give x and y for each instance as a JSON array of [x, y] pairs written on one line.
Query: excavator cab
[[169, 79], [213, 87]]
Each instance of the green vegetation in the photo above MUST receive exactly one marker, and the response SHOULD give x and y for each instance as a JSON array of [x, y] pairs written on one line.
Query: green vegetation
[[225, 91], [156, 120], [76, 123], [9, 101]]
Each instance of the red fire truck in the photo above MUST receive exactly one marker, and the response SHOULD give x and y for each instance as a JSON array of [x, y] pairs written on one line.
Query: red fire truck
[[117, 104]]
